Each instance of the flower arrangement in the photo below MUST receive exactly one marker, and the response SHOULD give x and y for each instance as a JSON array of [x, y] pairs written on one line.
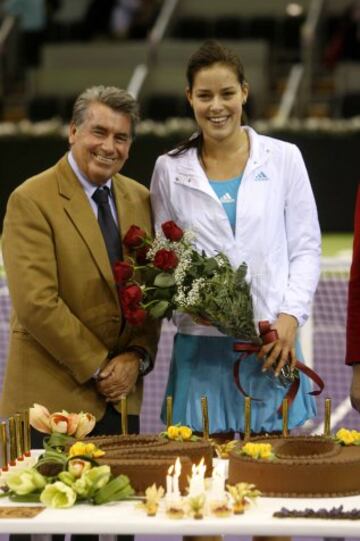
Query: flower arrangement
[[65, 474], [151, 503], [179, 433], [223, 450], [174, 276], [79, 481], [345, 436], [242, 495], [258, 450]]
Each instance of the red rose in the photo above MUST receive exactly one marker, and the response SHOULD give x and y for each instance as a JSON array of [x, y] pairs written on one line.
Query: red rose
[[135, 316], [141, 255], [165, 259], [130, 296], [123, 271], [172, 231], [134, 237]]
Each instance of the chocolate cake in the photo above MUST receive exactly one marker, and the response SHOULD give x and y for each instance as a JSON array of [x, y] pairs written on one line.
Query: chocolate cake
[[145, 459], [311, 466], [144, 472]]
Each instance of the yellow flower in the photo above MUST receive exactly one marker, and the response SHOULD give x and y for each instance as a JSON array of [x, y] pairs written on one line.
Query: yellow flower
[[173, 432], [185, 432], [258, 450], [77, 449], [265, 450], [87, 449], [347, 437]]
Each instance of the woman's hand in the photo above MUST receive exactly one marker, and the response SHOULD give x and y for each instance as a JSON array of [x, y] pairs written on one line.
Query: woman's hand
[[282, 351]]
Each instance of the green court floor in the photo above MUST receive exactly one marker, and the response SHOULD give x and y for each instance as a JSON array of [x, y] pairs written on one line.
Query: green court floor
[[333, 244]]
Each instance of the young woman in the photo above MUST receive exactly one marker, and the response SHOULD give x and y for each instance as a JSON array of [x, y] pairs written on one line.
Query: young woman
[[248, 196]]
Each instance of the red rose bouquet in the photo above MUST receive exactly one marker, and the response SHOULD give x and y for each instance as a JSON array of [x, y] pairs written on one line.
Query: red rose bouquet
[[174, 276]]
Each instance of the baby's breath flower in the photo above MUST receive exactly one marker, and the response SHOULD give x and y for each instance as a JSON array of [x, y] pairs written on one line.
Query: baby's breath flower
[[205, 287]]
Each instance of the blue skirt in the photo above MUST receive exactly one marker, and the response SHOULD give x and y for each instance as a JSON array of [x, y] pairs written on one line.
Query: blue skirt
[[203, 366]]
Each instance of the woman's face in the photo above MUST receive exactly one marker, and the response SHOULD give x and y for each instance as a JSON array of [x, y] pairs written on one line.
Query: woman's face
[[217, 99]]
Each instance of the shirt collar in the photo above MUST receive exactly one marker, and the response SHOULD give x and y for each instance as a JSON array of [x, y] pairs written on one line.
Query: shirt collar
[[85, 183]]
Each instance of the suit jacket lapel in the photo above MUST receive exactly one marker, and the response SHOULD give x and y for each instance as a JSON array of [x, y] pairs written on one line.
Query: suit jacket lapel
[[126, 209], [77, 207]]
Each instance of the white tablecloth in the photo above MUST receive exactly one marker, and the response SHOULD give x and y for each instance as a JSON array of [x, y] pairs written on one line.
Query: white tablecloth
[[125, 518]]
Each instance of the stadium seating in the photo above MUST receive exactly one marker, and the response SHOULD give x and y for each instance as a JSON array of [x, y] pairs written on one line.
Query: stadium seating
[[166, 79]]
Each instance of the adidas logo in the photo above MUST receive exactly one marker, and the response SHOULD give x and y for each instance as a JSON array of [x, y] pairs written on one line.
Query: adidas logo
[[261, 176], [226, 198]]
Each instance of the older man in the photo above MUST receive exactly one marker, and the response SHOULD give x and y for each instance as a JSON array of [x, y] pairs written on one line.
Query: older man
[[69, 346]]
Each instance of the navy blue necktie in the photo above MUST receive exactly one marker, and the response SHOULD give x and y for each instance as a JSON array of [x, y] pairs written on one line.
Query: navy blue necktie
[[107, 224]]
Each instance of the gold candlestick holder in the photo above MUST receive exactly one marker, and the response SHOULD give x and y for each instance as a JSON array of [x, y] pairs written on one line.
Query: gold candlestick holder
[[205, 417], [285, 418], [247, 418], [12, 440], [169, 411], [327, 418], [4, 447], [19, 436], [27, 432], [124, 419]]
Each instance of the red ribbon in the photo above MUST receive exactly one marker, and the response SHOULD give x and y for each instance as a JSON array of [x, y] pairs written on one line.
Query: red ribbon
[[269, 335]]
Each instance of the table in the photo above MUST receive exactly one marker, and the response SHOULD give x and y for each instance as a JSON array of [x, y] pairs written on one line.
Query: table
[[125, 518]]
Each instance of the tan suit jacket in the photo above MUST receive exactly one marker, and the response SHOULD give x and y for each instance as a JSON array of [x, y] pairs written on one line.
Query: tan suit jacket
[[66, 314]]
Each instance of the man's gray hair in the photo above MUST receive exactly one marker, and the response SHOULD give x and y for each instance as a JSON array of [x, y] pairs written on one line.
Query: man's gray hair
[[116, 98]]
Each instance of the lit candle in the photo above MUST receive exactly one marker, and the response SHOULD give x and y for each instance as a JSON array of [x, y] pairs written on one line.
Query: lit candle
[[202, 470], [169, 411], [176, 489], [194, 484], [327, 419], [205, 417], [124, 419], [197, 482], [285, 417], [218, 482], [169, 482], [4, 449], [247, 420]]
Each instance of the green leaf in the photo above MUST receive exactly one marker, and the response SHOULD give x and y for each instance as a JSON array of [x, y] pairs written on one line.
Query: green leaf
[[210, 266], [159, 309], [164, 280], [33, 497], [117, 489]]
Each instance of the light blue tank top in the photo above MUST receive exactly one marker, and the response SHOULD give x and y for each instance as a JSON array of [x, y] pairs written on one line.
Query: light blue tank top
[[227, 191]]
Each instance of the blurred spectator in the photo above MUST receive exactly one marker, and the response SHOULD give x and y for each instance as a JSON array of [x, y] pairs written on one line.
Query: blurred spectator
[[344, 42], [120, 18], [33, 17]]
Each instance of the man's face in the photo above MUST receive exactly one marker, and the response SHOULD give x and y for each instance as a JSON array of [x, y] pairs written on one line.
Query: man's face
[[101, 144]]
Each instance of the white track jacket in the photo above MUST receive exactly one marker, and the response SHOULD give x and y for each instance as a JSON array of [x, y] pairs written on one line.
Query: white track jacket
[[277, 230]]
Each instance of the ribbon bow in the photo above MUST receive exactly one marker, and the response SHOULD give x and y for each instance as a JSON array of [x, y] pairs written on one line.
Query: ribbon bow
[[268, 335]]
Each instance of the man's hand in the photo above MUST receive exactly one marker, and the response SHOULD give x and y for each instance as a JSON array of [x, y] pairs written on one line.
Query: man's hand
[[355, 387], [119, 376], [282, 351]]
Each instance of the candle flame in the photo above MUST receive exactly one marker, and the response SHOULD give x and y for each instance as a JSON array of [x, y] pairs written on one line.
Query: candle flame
[[170, 470], [177, 467]]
